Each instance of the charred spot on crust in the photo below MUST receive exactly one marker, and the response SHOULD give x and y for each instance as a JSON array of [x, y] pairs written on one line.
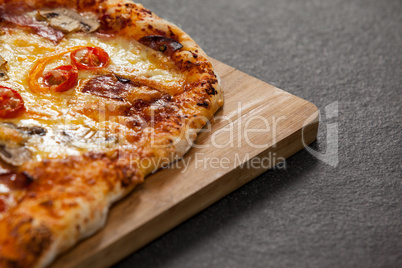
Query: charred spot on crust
[[110, 24], [166, 45], [211, 90], [125, 182], [171, 33], [146, 11], [203, 104]]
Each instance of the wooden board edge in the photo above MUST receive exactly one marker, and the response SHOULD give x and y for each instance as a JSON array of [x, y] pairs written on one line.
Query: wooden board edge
[[205, 197]]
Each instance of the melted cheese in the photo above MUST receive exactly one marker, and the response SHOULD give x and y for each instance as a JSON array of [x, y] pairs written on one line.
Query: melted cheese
[[69, 132]]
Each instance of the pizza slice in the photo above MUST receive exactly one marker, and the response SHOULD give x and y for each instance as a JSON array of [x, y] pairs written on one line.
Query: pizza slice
[[94, 96]]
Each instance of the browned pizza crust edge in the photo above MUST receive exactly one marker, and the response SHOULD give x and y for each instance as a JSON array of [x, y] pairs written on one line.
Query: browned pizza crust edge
[[69, 198]]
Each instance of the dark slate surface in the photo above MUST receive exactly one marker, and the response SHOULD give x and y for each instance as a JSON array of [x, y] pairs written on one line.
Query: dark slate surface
[[311, 214]]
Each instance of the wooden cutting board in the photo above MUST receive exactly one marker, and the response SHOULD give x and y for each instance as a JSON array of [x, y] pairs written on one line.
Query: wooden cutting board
[[259, 126]]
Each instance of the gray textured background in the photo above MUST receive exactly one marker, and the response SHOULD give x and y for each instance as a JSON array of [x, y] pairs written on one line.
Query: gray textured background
[[312, 214]]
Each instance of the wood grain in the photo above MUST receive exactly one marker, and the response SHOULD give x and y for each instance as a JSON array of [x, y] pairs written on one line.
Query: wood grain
[[259, 126]]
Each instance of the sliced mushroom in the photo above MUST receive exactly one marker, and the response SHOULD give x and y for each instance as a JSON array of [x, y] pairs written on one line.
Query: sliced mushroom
[[12, 142], [30, 130], [16, 155], [166, 45], [12, 149], [3, 69], [33, 130], [68, 20], [65, 24]]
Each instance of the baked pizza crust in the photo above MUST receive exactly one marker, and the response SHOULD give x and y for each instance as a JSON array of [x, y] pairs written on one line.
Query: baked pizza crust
[[69, 198]]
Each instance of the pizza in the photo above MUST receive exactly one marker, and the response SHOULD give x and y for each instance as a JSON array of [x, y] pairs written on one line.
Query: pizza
[[94, 96]]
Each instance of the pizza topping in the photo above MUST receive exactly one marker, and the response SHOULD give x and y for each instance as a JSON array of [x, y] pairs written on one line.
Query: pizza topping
[[149, 100], [10, 184], [166, 45], [90, 58], [61, 78], [123, 80], [68, 20], [108, 86], [10, 180], [12, 145], [33, 130], [17, 15], [14, 155], [3, 69], [122, 89], [63, 23], [11, 103], [11, 132]]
